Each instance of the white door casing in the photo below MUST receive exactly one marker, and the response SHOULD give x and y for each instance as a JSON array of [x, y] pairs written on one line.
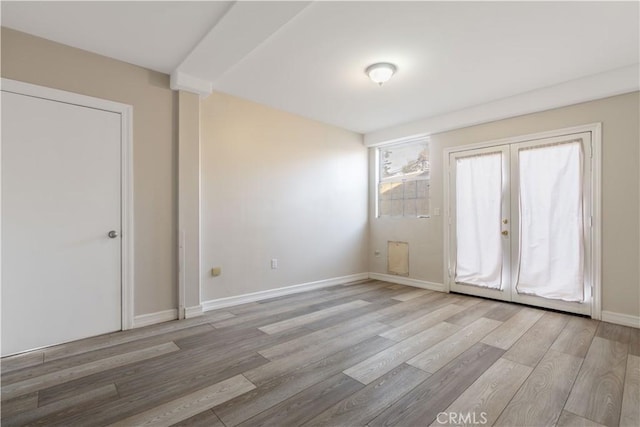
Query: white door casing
[[63, 278], [590, 135]]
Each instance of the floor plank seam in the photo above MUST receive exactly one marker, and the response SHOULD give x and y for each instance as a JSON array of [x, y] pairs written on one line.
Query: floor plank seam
[[223, 423], [518, 390], [533, 369], [572, 385], [115, 384], [353, 369], [397, 399], [624, 375]]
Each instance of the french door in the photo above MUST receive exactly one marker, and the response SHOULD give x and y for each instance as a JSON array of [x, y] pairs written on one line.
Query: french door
[[520, 222]]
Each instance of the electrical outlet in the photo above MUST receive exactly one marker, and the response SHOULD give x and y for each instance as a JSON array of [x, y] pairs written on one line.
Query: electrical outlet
[[216, 271], [274, 264]]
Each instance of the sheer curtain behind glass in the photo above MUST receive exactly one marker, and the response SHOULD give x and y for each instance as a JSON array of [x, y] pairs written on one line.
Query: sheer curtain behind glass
[[478, 214], [551, 222]]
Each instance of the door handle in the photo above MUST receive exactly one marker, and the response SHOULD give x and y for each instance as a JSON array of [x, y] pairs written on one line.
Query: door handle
[[113, 234], [505, 233]]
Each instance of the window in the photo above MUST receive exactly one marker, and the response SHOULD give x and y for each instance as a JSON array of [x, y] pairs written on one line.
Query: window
[[403, 179]]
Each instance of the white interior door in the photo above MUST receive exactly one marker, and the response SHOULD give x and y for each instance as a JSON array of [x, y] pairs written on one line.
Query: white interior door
[[61, 277], [520, 222]]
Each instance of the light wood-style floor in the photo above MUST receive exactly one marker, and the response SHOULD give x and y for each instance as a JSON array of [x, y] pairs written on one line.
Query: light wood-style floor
[[362, 354]]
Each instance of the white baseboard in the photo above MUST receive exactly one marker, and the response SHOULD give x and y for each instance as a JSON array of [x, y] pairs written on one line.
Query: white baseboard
[[153, 318], [190, 312], [272, 293], [621, 319], [401, 280]]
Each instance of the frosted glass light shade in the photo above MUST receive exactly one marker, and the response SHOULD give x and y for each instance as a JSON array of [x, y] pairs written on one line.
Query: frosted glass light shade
[[381, 72]]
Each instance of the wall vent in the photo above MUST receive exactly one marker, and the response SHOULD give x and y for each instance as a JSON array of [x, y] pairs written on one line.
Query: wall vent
[[398, 258]]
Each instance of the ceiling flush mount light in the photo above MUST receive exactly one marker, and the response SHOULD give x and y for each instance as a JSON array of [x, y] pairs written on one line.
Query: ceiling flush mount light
[[381, 72]]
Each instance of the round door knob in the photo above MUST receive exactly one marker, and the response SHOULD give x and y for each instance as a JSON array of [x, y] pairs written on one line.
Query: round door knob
[[505, 233], [113, 234]]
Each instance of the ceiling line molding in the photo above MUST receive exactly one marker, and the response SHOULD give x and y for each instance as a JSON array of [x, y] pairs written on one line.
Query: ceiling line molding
[[597, 86], [189, 83]]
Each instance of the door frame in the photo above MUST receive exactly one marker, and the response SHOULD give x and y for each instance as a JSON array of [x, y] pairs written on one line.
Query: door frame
[[126, 175], [593, 263]]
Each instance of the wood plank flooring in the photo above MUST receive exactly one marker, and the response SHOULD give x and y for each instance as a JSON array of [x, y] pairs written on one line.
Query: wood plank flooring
[[363, 354]]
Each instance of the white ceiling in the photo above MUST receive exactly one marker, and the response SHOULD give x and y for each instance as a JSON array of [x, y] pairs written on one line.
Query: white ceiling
[[155, 35], [309, 58]]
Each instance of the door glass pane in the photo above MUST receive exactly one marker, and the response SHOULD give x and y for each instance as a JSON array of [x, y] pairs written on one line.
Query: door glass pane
[[551, 222], [478, 212]]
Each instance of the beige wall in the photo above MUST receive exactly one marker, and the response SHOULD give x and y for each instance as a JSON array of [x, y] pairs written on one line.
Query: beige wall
[[275, 185], [620, 196], [34, 60], [260, 192]]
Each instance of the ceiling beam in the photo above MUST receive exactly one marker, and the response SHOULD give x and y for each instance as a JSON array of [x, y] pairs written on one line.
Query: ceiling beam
[[242, 29], [189, 83]]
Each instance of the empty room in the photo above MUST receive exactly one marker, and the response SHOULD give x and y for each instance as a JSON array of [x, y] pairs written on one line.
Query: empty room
[[322, 213]]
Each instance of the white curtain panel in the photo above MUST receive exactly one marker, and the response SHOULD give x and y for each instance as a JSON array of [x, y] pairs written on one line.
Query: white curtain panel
[[551, 222], [478, 215]]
